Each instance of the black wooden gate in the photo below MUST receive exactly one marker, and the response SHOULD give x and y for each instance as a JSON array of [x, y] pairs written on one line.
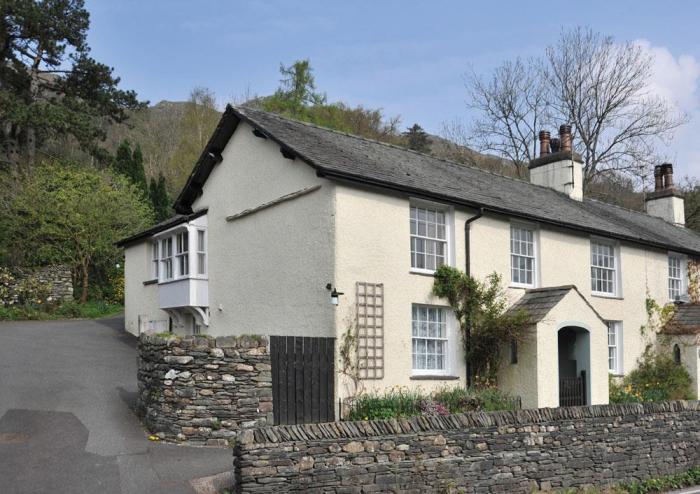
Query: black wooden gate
[[303, 379], [572, 391]]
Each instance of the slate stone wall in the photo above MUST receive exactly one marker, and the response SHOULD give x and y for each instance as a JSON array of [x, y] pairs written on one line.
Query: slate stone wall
[[521, 451], [57, 277], [202, 390]]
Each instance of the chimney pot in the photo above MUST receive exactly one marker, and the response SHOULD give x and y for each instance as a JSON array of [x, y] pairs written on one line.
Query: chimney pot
[[544, 142], [658, 178], [565, 136], [667, 170], [555, 144]]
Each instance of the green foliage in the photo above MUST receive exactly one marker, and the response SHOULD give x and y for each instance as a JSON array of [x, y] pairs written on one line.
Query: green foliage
[[297, 98], [656, 378], [71, 215], [663, 484], [49, 84], [417, 139], [130, 164], [65, 310], [198, 122], [480, 308], [408, 402], [160, 200]]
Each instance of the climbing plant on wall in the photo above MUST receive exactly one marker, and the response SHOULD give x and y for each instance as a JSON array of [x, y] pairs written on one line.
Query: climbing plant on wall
[[481, 310]]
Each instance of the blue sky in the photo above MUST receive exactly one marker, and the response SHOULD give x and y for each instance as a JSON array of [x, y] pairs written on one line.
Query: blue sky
[[408, 58]]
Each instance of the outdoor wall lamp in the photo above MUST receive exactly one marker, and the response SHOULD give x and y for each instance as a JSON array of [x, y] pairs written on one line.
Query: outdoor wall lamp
[[334, 294]]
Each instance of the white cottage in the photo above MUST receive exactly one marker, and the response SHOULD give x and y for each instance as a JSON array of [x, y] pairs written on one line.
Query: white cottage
[[285, 228]]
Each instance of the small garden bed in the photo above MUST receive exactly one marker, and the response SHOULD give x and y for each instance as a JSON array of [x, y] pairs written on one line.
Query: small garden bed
[[407, 402]]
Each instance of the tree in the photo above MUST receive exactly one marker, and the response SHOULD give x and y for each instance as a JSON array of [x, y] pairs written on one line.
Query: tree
[[196, 125], [297, 97], [159, 198], [601, 87], [417, 139], [72, 215], [130, 164], [49, 84], [298, 87], [511, 107]]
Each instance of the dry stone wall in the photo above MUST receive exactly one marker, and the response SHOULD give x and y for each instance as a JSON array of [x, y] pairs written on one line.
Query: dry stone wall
[[202, 390], [58, 278], [520, 451]]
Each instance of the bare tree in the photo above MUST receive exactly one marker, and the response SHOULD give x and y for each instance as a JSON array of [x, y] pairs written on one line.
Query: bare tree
[[603, 90], [600, 87], [511, 105]]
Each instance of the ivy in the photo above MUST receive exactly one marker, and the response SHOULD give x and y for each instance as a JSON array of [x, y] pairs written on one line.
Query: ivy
[[481, 310]]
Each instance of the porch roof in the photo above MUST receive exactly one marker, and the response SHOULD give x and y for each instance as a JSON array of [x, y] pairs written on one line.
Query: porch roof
[[686, 320], [538, 302]]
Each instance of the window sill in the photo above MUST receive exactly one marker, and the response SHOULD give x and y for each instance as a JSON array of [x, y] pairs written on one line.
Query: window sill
[[436, 377], [422, 272], [605, 295], [183, 278], [521, 287], [150, 282]]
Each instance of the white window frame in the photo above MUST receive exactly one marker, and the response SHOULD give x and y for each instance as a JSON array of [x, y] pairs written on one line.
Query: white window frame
[[449, 215], [447, 352], [535, 254], [617, 270], [201, 251], [617, 331], [683, 267], [166, 258], [182, 253], [155, 259]]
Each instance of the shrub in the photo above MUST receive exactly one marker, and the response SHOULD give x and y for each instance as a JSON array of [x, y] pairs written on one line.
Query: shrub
[[656, 378]]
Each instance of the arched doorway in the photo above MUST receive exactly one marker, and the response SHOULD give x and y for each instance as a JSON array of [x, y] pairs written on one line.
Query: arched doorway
[[574, 366]]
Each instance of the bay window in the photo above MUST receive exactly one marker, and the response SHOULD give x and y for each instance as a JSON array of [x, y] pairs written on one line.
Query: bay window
[[166, 258], [155, 260], [201, 252], [182, 254]]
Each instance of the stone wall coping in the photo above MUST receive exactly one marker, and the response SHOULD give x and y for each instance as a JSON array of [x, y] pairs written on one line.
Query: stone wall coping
[[192, 341], [434, 423]]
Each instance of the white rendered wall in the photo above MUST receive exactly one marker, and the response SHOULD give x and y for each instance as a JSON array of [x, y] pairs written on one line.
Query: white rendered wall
[[141, 301], [268, 270]]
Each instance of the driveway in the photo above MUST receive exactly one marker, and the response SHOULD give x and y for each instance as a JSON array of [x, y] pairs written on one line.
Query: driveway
[[67, 389]]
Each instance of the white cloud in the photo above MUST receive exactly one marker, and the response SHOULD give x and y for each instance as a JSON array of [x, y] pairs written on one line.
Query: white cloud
[[677, 80]]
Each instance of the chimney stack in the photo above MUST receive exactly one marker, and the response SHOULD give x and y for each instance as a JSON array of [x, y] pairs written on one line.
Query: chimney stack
[[565, 136], [558, 166], [665, 202], [544, 142]]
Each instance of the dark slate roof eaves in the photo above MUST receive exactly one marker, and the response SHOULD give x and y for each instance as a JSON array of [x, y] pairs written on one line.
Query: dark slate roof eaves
[[160, 227], [685, 320], [538, 302], [344, 156]]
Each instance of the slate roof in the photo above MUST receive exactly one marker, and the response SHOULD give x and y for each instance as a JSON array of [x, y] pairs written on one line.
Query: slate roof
[[685, 320], [341, 156], [537, 302], [160, 227]]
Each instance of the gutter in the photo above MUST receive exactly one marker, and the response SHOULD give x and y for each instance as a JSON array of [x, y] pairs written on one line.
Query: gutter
[[467, 270]]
